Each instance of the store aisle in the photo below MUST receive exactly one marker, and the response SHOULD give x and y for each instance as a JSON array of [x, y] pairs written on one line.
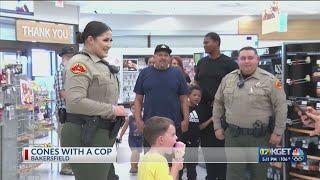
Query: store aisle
[[122, 170], [51, 171]]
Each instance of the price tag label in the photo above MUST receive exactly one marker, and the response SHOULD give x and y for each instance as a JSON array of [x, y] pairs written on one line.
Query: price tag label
[[304, 102], [305, 167]]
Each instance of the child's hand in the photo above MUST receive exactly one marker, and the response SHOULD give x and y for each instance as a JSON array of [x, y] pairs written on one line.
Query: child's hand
[[177, 163], [140, 125], [184, 126]]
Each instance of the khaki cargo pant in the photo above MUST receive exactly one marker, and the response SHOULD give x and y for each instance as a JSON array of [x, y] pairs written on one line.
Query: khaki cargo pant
[[243, 171], [70, 137]]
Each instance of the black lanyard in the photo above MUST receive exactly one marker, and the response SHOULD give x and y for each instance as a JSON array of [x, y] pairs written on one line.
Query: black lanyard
[[113, 69]]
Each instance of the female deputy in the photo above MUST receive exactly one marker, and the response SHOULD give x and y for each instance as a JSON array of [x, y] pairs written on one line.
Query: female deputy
[[92, 91]]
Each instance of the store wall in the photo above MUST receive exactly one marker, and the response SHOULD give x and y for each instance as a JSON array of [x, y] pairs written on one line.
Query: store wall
[[47, 11], [164, 25], [279, 43], [301, 29], [178, 31], [227, 41]]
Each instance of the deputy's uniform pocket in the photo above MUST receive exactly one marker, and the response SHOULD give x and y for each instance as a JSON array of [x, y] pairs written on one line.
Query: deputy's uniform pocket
[[98, 88], [102, 80], [228, 94], [259, 98], [108, 85]]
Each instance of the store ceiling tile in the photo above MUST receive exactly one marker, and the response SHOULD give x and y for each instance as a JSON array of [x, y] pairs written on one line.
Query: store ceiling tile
[[194, 7]]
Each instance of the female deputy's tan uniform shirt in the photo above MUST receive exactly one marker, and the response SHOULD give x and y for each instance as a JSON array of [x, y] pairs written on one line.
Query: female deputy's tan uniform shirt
[[91, 89]]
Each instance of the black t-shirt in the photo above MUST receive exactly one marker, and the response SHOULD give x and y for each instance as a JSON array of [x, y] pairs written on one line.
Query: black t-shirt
[[209, 73], [194, 119], [193, 133], [205, 113]]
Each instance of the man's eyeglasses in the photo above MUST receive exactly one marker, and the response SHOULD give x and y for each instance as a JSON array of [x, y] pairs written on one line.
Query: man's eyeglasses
[[243, 58]]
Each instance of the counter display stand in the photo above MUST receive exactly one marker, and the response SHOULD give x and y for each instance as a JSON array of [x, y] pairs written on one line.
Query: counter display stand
[[21, 124]]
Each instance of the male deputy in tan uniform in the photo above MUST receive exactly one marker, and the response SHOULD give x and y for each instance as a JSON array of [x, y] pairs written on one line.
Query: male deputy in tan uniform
[[249, 97]]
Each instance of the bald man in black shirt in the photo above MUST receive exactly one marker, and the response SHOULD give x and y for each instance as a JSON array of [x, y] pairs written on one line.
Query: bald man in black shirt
[[209, 72]]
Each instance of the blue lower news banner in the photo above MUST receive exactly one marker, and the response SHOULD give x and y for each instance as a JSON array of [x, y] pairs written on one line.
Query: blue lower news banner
[[283, 154]]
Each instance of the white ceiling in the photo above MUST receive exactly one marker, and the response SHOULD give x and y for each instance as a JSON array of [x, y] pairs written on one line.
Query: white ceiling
[[242, 8]]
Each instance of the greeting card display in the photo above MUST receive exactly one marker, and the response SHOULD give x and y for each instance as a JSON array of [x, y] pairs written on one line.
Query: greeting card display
[[27, 97]]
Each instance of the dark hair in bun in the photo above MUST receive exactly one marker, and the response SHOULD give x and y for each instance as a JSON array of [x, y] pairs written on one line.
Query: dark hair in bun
[[94, 29], [79, 38]]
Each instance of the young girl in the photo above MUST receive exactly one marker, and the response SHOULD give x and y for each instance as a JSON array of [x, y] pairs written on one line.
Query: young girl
[[192, 137], [135, 140]]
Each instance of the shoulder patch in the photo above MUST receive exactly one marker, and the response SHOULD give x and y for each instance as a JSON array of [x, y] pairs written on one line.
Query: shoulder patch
[[278, 84], [78, 68]]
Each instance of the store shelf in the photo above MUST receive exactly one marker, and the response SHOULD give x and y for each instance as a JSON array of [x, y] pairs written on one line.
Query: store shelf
[[25, 107], [25, 137], [4, 86], [28, 169], [303, 176], [303, 131], [315, 53], [313, 157], [293, 98], [310, 167], [37, 134], [305, 55]]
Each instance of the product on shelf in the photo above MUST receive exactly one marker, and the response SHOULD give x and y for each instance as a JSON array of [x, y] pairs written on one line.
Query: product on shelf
[[129, 81], [316, 77], [27, 96], [274, 174], [307, 60], [299, 81]]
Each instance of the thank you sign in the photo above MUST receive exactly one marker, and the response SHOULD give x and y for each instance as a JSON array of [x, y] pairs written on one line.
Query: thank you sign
[[34, 31]]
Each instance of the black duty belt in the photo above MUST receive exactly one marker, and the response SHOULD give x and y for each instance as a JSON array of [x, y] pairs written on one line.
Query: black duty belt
[[81, 119], [236, 131]]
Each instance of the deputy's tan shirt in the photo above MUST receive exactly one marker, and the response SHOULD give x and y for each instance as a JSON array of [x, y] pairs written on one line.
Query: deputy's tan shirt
[[91, 89], [261, 97]]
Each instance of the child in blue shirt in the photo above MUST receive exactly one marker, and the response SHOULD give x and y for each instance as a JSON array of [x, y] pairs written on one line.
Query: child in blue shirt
[[135, 140]]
